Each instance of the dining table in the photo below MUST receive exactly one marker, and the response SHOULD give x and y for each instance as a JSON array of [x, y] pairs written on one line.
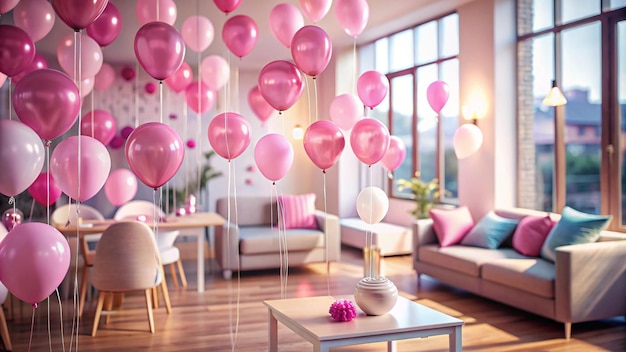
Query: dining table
[[196, 220]]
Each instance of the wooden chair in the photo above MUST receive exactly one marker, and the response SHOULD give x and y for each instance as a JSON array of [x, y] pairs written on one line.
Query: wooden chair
[[127, 260]]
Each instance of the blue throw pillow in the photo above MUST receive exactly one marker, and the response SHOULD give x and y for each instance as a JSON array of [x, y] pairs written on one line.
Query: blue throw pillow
[[490, 231], [575, 227]]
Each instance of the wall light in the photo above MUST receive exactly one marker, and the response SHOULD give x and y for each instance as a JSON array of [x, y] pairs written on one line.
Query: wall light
[[555, 97], [298, 132]]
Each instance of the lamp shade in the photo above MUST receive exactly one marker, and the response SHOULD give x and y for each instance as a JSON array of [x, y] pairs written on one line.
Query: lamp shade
[[555, 97], [467, 140]]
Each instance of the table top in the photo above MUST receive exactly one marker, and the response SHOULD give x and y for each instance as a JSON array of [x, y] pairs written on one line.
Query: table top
[[311, 315]]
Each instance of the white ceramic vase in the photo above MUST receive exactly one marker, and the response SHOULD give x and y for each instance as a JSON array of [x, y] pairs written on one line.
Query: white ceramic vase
[[375, 295]]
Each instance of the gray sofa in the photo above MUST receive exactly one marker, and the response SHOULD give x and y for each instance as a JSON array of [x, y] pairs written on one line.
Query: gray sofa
[[586, 282]]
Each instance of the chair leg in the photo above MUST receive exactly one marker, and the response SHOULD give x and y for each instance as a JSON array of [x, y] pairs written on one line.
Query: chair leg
[[166, 297], [155, 299], [108, 305], [96, 318], [83, 290], [181, 272], [4, 331], [173, 274], [149, 309], [568, 330]]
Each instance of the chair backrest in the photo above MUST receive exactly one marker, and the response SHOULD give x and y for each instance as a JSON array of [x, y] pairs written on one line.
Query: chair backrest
[[126, 258], [66, 212], [135, 208]]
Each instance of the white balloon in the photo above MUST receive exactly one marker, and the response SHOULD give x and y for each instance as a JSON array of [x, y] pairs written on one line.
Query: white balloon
[[467, 140], [372, 205]]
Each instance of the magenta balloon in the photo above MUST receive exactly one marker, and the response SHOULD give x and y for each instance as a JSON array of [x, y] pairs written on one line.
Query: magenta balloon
[[21, 157], [44, 192], [160, 49], [17, 50], [78, 14], [11, 218], [261, 108], [90, 55], [369, 140], [315, 10], [100, 125], [285, 21], [437, 95], [105, 77], [240, 34], [120, 187], [106, 28], [394, 157], [372, 87], [311, 50], [180, 79], [7, 5], [146, 11], [117, 142], [154, 152], [215, 72], [36, 17], [95, 164], [38, 63], [281, 84], [199, 99], [345, 111], [324, 143], [352, 16], [198, 33], [273, 155], [227, 6], [47, 101], [229, 134]]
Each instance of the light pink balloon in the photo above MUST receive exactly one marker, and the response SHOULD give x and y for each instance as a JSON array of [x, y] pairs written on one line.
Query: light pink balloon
[[215, 72], [199, 98], [38, 63], [7, 5], [395, 155], [3, 78], [17, 50], [154, 152], [105, 77], [346, 110], [261, 108], [315, 10], [324, 143], [86, 86], [36, 17], [100, 125], [21, 157], [369, 140], [198, 32], [281, 84], [240, 34], [95, 164], [352, 16], [273, 155], [227, 6], [311, 50], [39, 252], [372, 87], [160, 49], [120, 187], [180, 79], [285, 21], [437, 95], [229, 134], [44, 192], [147, 11], [107, 27], [90, 55]]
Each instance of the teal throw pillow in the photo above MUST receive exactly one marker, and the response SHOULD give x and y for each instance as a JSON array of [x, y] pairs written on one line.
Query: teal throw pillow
[[490, 231], [575, 227]]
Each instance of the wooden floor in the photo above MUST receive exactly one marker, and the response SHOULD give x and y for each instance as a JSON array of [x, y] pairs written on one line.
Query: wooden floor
[[208, 321]]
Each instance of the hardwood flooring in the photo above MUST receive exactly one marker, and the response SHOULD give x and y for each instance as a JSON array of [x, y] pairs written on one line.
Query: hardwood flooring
[[210, 321]]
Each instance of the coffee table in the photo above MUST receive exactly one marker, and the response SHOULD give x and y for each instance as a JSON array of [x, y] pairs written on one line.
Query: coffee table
[[309, 318]]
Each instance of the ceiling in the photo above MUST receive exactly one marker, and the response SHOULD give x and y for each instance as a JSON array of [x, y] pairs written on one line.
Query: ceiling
[[386, 16]]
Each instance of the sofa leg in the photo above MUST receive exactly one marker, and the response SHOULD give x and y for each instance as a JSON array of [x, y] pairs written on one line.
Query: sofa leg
[[227, 274], [568, 330]]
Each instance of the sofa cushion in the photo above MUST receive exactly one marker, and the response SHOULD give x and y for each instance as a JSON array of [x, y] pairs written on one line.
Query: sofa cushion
[[450, 225], [530, 234], [490, 231], [464, 259], [298, 210], [533, 275], [264, 239]]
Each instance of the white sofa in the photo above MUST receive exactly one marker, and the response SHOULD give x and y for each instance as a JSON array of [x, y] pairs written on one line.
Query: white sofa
[[390, 238]]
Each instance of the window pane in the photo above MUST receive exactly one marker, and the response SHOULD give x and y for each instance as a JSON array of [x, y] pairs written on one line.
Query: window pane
[[426, 43], [382, 55], [535, 16], [577, 9], [402, 117], [616, 4], [450, 35], [401, 50], [367, 59], [450, 121], [426, 124]]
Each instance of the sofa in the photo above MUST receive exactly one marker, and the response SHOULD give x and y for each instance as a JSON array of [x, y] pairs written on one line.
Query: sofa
[[585, 282], [390, 239], [251, 240]]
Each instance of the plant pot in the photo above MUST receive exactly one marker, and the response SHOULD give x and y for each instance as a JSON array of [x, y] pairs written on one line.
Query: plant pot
[[375, 295]]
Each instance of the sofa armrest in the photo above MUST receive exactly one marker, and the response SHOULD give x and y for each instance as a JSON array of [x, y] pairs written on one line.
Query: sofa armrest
[[227, 246], [590, 281], [423, 234], [329, 223]]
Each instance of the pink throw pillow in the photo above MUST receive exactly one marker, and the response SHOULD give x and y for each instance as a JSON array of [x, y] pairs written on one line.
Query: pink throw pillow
[[530, 234], [451, 225], [298, 210]]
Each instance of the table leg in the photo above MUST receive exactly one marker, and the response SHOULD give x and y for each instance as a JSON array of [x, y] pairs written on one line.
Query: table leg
[[272, 331], [392, 346], [201, 262], [456, 339]]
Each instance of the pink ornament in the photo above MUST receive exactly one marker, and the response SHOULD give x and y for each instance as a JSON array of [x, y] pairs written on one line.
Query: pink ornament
[[117, 142], [126, 131], [128, 73], [173, 116], [342, 310], [191, 143], [11, 218], [150, 88]]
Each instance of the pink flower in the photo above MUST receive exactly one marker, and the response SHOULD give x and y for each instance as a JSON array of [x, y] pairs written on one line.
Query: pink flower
[[342, 310]]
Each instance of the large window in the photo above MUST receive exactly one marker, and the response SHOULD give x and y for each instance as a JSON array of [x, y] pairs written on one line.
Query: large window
[[412, 59]]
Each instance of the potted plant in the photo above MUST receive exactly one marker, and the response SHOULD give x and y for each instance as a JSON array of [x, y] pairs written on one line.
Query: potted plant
[[425, 194], [206, 174]]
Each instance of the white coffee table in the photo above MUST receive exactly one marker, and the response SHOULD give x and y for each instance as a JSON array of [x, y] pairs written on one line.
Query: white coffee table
[[309, 318]]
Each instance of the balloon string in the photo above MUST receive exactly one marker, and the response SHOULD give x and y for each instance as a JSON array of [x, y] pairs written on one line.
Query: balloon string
[[61, 315], [308, 94], [49, 329], [10, 102], [282, 245], [93, 123], [316, 106], [47, 146], [157, 10], [186, 133], [161, 101], [136, 93], [32, 327], [326, 234], [199, 128], [78, 49], [354, 70], [233, 335]]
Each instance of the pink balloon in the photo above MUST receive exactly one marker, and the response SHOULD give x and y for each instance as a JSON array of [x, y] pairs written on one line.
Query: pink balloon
[[240, 34], [369, 140], [3, 79], [199, 99], [437, 95], [285, 21], [17, 50], [372, 87], [44, 190], [160, 49], [90, 55], [120, 187], [105, 77], [36, 17], [39, 252], [311, 50], [227, 6], [100, 125], [11, 218], [78, 14], [117, 142], [126, 131], [128, 73], [273, 155], [7, 5], [106, 28], [86, 86], [324, 143], [352, 16], [38, 63], [180, 79], [95, 164], [21, 157], [154, 152], [345, 111], [261, 108], [394, 157], [198, 32], [147, 11], [315, 10], [47, 101], [229, 134], [281, 84], [215, 72], [150, 88]]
